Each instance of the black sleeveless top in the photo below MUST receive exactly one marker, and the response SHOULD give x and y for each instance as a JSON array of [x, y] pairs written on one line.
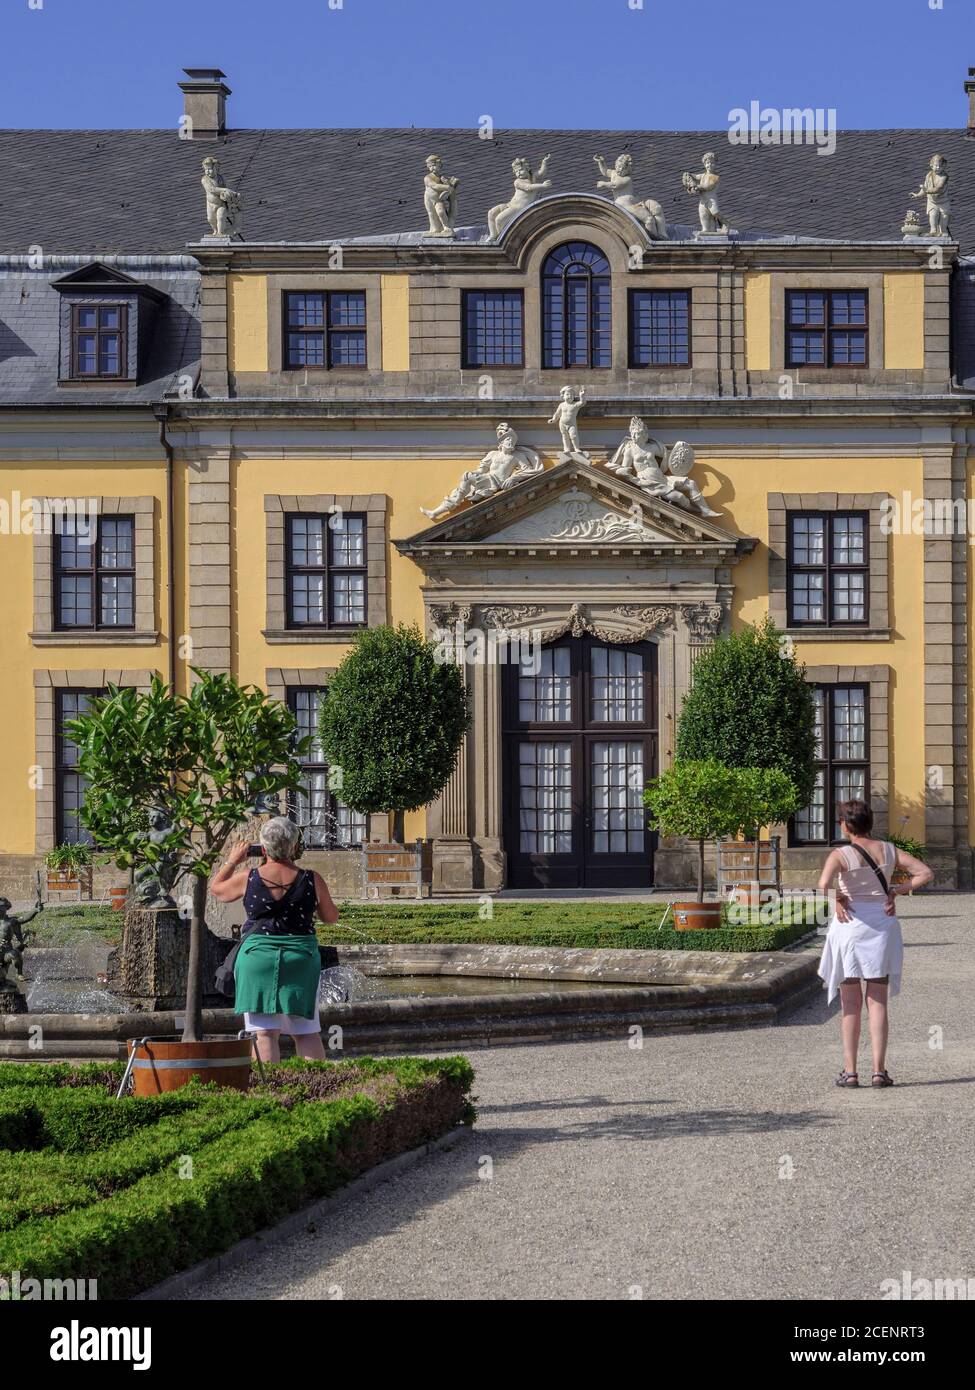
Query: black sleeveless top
[[290, 915]]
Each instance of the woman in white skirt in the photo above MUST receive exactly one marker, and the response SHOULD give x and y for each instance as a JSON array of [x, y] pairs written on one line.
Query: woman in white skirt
[[863, 956]]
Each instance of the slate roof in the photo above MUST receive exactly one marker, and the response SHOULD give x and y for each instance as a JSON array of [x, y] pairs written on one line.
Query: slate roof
[[29, 332], [110, 191]]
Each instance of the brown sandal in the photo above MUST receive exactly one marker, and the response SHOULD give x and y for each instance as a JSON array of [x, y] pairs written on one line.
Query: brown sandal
[[881, 1078], [848, 1078]]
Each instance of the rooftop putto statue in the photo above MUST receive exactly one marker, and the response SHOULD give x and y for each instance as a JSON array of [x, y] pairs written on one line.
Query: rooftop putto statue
[[935, 190], [439, 198], [500, 468], [663, 474], [566, 417], [528, 186], [704, 187], [619, 181], [223, 204]]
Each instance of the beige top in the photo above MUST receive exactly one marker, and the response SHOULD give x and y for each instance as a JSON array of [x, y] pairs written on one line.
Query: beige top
[[856, 878]]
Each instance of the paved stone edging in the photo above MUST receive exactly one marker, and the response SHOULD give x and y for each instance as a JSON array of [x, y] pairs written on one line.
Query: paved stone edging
[[297, 1222], [728, 990]]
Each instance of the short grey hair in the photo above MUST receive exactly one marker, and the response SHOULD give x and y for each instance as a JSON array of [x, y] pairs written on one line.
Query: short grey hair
[[279, 836]]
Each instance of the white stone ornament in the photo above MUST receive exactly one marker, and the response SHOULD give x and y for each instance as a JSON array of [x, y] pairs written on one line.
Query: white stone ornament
[[935, 190], [500, 468], [619, 181], [704, 187], [528, 187], [645, 461], [439, 199], [223, 204], [566, 417]]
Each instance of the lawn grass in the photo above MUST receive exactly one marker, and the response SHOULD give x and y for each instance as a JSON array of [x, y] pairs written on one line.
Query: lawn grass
[[128, 1192], [64, 924]]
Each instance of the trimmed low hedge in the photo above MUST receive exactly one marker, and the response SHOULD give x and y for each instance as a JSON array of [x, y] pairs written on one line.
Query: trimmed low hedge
[[583, 925], [170, 1180]]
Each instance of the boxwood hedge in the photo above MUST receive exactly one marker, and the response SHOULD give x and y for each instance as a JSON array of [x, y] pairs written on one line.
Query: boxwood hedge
[[128, 1192]]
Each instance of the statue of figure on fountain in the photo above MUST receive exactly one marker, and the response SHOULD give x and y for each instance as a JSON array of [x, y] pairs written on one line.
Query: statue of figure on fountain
[[500, 468], [566, 417], [619, 181], [646, 462], [13, 943], [154, 881]]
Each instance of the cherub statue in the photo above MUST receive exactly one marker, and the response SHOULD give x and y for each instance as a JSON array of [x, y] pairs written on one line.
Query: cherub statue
[[12, 940], [704, 187], [619, 181], [935, 189], [663, 475], [527, 189], [439, 198], [566, 417], [155, 880], [499, 468], [223, 204]]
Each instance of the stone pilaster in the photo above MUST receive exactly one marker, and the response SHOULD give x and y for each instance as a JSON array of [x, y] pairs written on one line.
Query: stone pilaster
[[211, 622]]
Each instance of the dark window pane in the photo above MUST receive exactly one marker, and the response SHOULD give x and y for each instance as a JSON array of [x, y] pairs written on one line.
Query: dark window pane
[[108, 318], [347, 349], [493, 329], [660, 328], [87, 318], [347, 310], [349, 542], [76, 599]]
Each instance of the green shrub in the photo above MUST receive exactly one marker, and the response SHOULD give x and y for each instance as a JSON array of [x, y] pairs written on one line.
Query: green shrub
[[124, 1210]]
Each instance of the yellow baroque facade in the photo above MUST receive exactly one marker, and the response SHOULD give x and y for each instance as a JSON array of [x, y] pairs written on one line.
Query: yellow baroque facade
[[256, 472]]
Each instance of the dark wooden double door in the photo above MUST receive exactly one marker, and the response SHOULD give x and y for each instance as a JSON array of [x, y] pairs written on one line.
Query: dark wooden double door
[[580, 743]]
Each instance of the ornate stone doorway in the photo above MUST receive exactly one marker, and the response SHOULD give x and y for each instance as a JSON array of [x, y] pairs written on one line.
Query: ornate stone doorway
[[580, 741]]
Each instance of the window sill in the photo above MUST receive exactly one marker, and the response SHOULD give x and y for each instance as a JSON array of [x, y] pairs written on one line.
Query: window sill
[[839, 634], [280, 636], [85, 638]]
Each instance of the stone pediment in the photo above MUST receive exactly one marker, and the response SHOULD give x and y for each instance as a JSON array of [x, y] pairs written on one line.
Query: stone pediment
[[569, 506]]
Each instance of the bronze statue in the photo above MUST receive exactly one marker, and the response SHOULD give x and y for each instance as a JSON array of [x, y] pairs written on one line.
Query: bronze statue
[[155, 880], [13, 942]]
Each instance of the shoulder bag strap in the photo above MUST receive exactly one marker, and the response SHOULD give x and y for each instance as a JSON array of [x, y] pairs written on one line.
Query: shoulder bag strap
[[869, 859]]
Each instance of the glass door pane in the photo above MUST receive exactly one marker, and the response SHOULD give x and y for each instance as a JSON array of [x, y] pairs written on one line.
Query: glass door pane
[[616, 796], [545, 797]]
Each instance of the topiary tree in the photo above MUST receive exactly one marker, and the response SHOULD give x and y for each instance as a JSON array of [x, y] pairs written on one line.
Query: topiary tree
[[750, 706], [769, 796], [193, 762], [702, 800], [393, 720]]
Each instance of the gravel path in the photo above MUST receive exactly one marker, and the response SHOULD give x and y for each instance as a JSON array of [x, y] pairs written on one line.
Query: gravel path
[[716, 1165]]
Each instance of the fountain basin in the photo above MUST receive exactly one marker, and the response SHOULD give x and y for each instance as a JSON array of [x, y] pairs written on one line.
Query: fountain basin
[[559, 994]]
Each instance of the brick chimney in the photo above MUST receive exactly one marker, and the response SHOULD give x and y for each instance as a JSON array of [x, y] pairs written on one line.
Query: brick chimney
[[970, 89], [204, 104]]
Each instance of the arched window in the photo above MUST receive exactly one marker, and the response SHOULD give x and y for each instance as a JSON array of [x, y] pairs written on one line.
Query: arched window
[[576, 314]]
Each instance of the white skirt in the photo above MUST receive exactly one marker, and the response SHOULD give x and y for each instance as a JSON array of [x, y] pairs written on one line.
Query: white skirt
[[282, 1023], [867, 947]]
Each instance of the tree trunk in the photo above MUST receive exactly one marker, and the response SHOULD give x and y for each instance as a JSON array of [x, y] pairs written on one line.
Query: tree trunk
[[193, 1025], [700, 871], [399, 827], [758, 859]]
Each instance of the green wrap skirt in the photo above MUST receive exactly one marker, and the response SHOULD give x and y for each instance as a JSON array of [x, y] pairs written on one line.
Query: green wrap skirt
[[277, 975]]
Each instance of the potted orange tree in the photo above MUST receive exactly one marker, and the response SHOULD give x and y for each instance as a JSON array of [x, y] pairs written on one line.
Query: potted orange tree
[[192, 764], [702, 800]]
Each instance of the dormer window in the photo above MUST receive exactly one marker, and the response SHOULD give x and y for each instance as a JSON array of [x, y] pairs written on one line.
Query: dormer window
[[107, 322], [98, 340]]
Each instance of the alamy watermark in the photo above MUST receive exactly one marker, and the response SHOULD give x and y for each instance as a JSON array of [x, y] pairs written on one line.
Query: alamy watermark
[[789, 125]]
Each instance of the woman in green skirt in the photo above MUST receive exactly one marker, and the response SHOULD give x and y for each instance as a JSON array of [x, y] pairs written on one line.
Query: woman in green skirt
[[278, 965]]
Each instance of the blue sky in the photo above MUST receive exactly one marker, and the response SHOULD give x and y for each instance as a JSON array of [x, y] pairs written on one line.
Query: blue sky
[[672, 64]]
